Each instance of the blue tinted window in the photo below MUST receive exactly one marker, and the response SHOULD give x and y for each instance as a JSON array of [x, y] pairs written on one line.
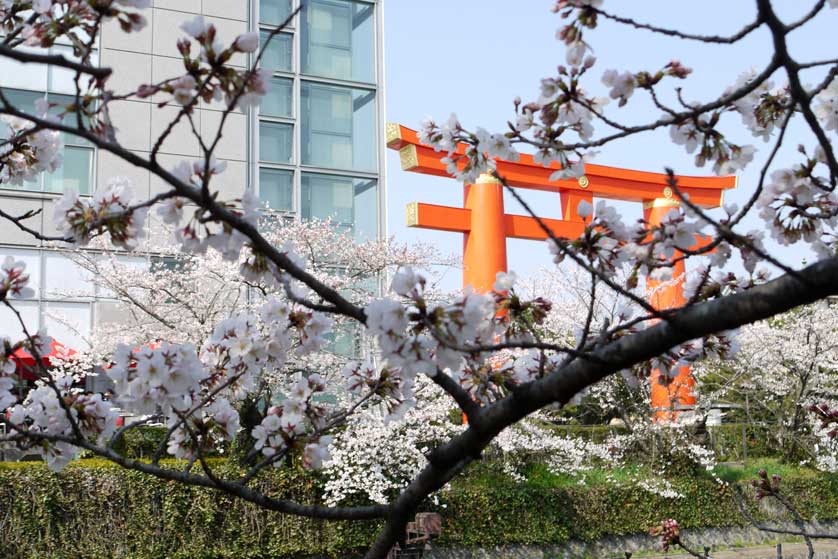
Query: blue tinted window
[[274, 12], [277, 102], [276, 188], [351, 203], [277, 57], [275, 142], [338, 127], [76, 171], [337, 40]]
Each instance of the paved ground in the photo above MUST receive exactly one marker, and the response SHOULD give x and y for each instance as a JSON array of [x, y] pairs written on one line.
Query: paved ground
[[823, 550]]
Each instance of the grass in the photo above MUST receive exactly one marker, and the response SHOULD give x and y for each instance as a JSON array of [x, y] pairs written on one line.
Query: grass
[[750, 469], [540, 476]]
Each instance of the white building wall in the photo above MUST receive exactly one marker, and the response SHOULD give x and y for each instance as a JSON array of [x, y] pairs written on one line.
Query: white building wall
[[66, 303]]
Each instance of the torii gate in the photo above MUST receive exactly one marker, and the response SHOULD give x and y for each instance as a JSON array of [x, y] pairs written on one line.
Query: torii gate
[[485, 225]]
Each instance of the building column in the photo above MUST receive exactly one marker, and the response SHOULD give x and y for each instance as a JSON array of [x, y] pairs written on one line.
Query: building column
[[484, 246], [667, 398]]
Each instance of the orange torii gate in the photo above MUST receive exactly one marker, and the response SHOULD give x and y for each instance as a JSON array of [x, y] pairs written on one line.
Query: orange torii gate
[[486, 226]]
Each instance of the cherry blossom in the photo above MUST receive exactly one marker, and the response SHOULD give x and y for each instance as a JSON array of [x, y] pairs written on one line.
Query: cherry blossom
[[14, 280], [622, 85], [827, 106], [109, 211], [25, 154]]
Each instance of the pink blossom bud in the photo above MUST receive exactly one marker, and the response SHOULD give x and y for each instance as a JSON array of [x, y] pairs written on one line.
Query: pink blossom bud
[[247, 42], [146, 90]]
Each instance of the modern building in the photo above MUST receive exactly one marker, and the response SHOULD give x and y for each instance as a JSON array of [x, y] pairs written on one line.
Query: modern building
[[314, 149]]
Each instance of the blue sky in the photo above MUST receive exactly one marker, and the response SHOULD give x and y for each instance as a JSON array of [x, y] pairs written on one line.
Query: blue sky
[[472, 57]]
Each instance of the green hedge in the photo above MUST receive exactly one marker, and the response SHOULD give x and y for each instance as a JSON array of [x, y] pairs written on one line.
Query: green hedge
[[141, 442], [94, 510]]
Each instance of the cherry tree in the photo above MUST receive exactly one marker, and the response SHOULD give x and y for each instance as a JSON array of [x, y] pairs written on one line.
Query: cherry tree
[[484, 351], [181, 296], [786, 365]]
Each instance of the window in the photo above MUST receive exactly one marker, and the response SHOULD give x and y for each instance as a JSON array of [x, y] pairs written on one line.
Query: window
[[338, 127], [10, 325], [276, 189], [274, 12], [64, 278], [351, 203], [275, 142], [23, 84], [20, 75], [278, 102], [63, 299], [68, 322], [277, 57], [67, 302], [337, 40], [342, 340]]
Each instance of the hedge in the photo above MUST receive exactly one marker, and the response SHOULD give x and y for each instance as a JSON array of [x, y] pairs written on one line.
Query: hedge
[[96, 510]]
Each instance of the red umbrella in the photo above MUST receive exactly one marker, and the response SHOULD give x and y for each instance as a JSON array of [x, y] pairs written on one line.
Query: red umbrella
[[26, 363]]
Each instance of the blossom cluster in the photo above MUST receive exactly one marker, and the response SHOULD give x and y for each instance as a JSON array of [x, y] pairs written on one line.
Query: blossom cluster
[[24, 154], [286, 425], [192, 389], [75, 19], [147, 379], [14, 280], [765, 486], [109, 211], [798, 206], [426, 340], [376, 456], [537, 440], [208, 75], [52, 413]]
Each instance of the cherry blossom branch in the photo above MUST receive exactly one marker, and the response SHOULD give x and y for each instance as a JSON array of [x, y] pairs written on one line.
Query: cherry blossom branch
[[736, 37], [337, 420], [467, 404], [161, 448], [819, 5], [691, 114], [725, 231], [240, 92], [44, 374], [803, 99], [17, 220], [99, 72], [119, 433]]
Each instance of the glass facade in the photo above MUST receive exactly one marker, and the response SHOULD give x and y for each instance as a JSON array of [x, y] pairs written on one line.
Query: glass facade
[[318, 155], [23, 84]]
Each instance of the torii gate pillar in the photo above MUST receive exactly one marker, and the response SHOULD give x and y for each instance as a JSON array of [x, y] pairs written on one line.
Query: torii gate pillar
[[667, 398], [484, 245]]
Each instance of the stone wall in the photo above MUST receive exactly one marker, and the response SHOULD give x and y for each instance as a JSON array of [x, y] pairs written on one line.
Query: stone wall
[[643, 544]]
